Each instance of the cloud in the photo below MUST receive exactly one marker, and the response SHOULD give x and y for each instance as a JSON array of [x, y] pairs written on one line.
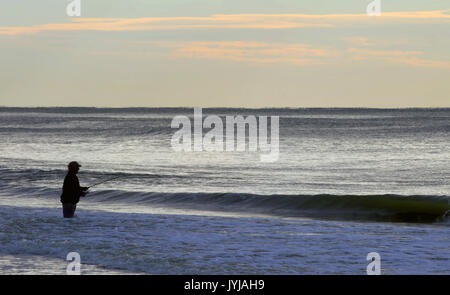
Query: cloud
[[291, 53], [298, 54], [166, 23], [410, 58], [229, 21], [366, 53], [254, 52]]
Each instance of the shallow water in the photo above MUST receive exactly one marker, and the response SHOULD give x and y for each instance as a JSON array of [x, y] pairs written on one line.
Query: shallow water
[[227, 213], [196, 244]]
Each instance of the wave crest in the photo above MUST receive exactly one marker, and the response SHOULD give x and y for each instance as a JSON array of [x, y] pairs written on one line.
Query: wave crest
[[388, 207]]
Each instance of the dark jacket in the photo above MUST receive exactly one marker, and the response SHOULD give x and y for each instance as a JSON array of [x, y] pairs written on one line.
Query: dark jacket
[[71, 189]]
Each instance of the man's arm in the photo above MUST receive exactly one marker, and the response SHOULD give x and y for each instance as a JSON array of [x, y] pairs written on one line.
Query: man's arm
[[82, 189]]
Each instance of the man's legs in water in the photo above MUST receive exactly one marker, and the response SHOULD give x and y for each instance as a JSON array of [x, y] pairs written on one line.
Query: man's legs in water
[[69, 210]]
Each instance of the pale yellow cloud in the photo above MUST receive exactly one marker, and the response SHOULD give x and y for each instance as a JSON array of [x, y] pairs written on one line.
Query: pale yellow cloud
[[229, 21], [291, 53], [367, 53], [164, 23], [270, 53], [419, 62], [255, 52], [410, 58]]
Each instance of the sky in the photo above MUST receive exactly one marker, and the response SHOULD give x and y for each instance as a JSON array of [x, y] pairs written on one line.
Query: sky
[[228, 53]]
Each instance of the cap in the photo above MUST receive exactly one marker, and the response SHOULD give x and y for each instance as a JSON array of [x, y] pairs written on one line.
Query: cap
[[73, 164]]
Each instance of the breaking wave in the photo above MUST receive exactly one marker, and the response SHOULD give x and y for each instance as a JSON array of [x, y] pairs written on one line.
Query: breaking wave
[[387, 207], [414, 208]]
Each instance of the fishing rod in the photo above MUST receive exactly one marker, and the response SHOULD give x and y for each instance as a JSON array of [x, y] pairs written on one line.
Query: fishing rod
[[103, 181]]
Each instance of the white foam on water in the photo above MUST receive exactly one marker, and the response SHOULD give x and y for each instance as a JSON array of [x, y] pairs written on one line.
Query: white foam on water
[[196, 244], [42, 265]]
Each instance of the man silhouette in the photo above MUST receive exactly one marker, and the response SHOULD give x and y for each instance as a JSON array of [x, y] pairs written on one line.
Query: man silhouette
[[72, 191]]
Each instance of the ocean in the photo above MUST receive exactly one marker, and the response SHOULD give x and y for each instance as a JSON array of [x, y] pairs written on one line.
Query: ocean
[[347, 182]]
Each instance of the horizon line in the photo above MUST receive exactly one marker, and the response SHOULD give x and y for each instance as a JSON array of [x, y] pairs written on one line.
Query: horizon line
[[193, 107]]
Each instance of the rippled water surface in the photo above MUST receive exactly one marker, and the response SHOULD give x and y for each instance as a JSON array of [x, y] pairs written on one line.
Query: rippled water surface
[[347, 182]]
